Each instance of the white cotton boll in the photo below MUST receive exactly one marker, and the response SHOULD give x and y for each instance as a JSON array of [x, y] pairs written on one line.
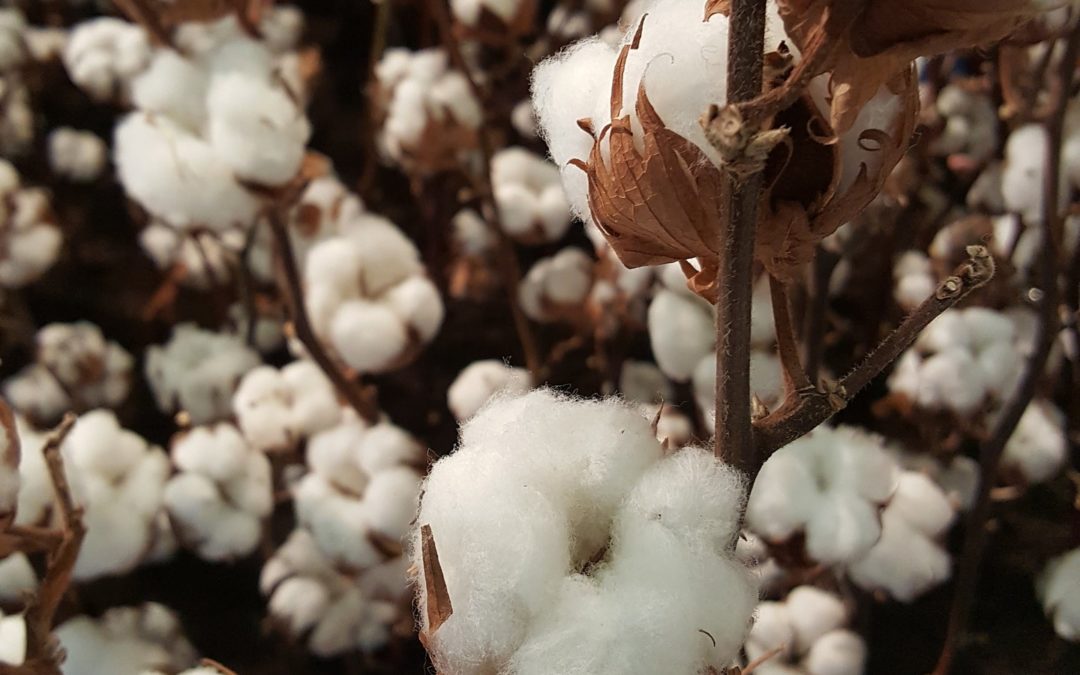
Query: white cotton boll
[[387, 257], [951, 380], [922, 504], [781, 497], [34, 392], [301, 600], [368, 336], [1000, 366], [1022, 175], [766, 376], [17, 577], [481, 380], [125, 640], [841, 527], [256, 128], [523, 120], [1038, 448], [949, 330], [839, 652], [772, 629], [194, 187], [468, 11], [12, 639], [1058, 588], [643, 382], [914, 280], [813, 613], [561, 282], [681, 332], [78, 155], [103, 54], [417, 302], [391, 498], [530, 199], [384, 446], [275, 409], [281, 27], [452, 95], [175, 87]]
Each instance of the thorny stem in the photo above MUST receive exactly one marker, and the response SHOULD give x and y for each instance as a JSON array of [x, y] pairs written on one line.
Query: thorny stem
[[41, 648], [361, 398], [799, 415], [509, 266], [734, 438], [795, 377], [992, 448]]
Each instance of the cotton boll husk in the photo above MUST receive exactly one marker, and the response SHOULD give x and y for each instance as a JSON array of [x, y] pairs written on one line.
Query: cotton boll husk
[[681, 332], [476, 384], [813, 613], [195, 187], [839, 652], [417, 302], [1038, 447], [368, 336]]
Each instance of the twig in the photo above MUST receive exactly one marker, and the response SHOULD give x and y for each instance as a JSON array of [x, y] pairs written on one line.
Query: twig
[[799, 416], [815, 326], [734, 438], [509, 266], [361, 398], [795, 377], [991, 450], [41, 648]]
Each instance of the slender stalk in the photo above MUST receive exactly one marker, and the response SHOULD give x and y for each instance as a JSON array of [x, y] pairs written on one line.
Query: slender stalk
[[990, 451], [815, 325], [509, 265], [361, 398], [734, 437], [795, 377]]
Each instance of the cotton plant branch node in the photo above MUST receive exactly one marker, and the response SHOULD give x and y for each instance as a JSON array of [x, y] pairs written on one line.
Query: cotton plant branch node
[[743, 146]]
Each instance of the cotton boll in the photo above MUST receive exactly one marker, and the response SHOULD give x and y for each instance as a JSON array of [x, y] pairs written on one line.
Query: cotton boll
[[681, 332], [948, 330], [391, 497], [29, 239], [1038, 447], [479, 381], [78, 155], [914, 280], [813, 613], [368, 336], [772, 629], [417, 302], [1058, 588], [531, 203], [1022, 176], [17, 578], [276, 409], [125, 640], [556, 287], [103, 54], [839, 652], [950, 379], [172, 86]]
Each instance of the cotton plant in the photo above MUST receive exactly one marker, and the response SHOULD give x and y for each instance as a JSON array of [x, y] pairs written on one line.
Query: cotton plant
[[278, 408], [334, 610], [75, 369], [555, 288], [79, 156], [369, 298], [559, 537], [474, 247], [197, 372], [359, 495], [818, 497], [810, 628], [427, 115], [30, 240], [1058, 589], [146, 637], [909, 558], [479, 381], [529, 196], [222, 492]]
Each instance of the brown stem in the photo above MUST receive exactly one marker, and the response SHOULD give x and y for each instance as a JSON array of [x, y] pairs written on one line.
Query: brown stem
[[361, 398], [734, 437], [815, 325], [41, 648], [795, 377], [509, 265], [991, 450], [799, 416]]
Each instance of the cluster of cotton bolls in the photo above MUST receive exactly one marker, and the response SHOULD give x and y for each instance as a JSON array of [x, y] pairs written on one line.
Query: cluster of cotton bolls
[[1058, 588], [278, 408], [148, 637], [809, 627], [75, 368], [29, 238], [431, 114], [529, 196], [336, 611], [963, 360], [360, 492], [197, 372], [970, 133], [117, 478], [77, 155], [221, 493], [555, 288], [568, 542], [103, 55], [368, 296], [481, 380]]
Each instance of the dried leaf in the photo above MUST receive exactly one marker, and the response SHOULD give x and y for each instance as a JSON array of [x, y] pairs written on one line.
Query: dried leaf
[[713, 7], [438, 605]]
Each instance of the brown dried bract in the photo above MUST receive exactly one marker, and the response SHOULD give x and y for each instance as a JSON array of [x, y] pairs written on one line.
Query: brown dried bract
[[437, 598]]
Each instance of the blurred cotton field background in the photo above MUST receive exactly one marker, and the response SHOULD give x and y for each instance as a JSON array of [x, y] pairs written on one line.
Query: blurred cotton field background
[[539, 337]]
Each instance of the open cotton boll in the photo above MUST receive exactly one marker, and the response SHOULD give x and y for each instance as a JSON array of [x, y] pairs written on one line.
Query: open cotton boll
[[12, 639], [971, 124], [17, 578], [221, 494], [29, 239], [175, 87], [125, 640], [959, 479], [540, 488], [1058, 588], [77, 155], [481, 380], [1022, 174], [532, 206], [908, 559], [810, 627], [829, 485], [681, 332], [1037, 448], [276, 409], [555, 287], [197, 371], [194, 187], [914, 280], [102, 55]]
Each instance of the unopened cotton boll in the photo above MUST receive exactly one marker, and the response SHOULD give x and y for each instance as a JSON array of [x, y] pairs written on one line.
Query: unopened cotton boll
[[1058, 588], [29, 239], [535, 491], [908, 559], [77, 155], [276, 409], [481, 380], [197, 371], [1037, 448], [556, 287], [125, 640], [829, 485], [102, 56]]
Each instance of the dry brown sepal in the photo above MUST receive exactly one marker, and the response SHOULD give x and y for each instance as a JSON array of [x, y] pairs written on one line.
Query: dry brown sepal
[[868, 43], [494, 31], [434, 599]]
